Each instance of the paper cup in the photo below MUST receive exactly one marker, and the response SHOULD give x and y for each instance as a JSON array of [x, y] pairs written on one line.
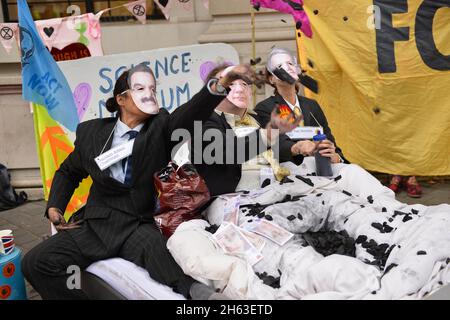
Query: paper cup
[[6, 242]]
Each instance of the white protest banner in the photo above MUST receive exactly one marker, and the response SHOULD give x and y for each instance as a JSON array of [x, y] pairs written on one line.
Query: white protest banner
[[178, 72]]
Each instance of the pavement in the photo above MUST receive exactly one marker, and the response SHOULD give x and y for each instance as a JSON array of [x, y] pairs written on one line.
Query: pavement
[[30, 227]]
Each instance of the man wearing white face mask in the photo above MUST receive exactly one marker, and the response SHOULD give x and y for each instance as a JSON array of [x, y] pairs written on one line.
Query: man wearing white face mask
[[282, 73], [121, 155]]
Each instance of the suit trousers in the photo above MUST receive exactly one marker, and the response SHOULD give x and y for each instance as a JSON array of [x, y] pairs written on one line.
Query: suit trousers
[[47, 266]]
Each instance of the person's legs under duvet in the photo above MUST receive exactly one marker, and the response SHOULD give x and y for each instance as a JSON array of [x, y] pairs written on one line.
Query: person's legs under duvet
[[146, 247]]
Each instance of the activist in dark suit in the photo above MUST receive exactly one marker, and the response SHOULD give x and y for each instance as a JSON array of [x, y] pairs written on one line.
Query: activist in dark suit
[[117, 220], [224, 174], [282, 73]]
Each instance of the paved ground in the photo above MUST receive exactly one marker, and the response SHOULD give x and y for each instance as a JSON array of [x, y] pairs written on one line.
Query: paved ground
[[30, 227]]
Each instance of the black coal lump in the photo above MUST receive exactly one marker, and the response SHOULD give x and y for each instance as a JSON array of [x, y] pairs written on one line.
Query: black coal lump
[[339, 177], [291, 217], [323, 202], [318, 194], [421, 253], [347, 193], [377, 226], [384, 209], [406, 218], [389, 267], [328, 242], [370, 199], [399, 213], [390, 219], [265, 183], [387, 228], [268, 217], [362, 206], [286, 198], [286, 180], [414, 211], [296, 198], [361, 239], [299, 216], [305, 180], [212, 228], [269, 280], [261, 215]]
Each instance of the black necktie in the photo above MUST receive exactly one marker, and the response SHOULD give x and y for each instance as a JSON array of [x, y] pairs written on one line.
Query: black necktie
[[132, 134]]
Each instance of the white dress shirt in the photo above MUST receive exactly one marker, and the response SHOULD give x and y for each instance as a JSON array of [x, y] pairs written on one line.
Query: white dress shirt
[[120, 136], [297, 103]]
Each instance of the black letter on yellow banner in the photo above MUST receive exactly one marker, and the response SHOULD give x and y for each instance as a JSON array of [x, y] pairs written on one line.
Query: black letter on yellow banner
[[424, 35], [387, 34]]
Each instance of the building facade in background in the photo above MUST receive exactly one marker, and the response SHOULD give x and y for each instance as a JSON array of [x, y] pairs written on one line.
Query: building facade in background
[[226, 21]]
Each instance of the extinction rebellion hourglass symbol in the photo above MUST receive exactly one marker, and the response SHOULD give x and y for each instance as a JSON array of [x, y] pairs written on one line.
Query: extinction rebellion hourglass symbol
[[138, 10], [6, 33]]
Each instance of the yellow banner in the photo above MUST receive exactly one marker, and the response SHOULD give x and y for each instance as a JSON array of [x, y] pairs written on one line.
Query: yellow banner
[[383, 69], [54, 146]]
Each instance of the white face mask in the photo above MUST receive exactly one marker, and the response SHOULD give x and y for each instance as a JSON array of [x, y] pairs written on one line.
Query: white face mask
[[143, 92], [239, 94], [286, 62]]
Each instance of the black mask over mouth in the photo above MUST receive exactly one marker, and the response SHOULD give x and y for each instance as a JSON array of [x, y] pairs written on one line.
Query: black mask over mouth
[[281, 74]]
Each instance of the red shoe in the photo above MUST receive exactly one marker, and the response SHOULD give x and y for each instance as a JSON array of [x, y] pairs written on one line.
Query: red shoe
[[413, 188], [395, 183]]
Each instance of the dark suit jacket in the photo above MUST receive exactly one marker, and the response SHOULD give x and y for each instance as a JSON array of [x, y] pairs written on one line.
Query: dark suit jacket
[[224, 175], [123, 206], [308, 106]]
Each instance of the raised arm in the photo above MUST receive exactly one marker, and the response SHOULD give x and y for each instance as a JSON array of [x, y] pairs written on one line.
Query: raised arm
[[200, 107]]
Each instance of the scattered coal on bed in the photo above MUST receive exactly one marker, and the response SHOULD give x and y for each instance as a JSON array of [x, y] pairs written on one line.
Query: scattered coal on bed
[[380, 252], [269, 280], [257, 209], [328, 242]]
